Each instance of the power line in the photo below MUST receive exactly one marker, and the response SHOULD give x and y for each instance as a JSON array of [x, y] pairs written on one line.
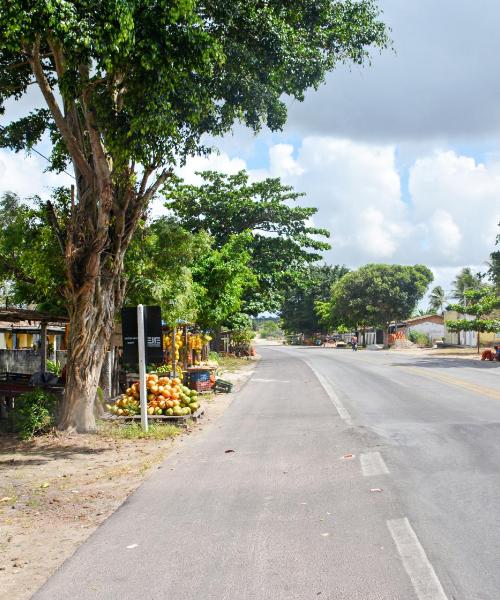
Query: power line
[[48, 160], [44, 157]]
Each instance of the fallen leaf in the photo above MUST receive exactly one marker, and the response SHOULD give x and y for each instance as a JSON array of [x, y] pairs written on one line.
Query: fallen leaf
[[132, 546], [228, 451], [376, 490], [348, 456], [45, 484], [5, 499]]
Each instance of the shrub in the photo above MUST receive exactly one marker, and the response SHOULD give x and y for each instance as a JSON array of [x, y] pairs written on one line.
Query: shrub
[[54, 367], [421, 339], [34, 413]]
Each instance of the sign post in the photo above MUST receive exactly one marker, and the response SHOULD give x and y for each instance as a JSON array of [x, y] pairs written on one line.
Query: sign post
[[142, 366]]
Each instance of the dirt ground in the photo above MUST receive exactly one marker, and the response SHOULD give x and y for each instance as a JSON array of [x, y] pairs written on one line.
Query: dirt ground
[[470, 353], [57, 489]]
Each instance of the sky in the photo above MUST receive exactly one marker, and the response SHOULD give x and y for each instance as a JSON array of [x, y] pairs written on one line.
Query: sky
[[400, 157]]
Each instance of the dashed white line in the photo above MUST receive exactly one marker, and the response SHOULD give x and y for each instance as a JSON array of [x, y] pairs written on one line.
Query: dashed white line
[[422, 575], [341, 409], [373, 464]]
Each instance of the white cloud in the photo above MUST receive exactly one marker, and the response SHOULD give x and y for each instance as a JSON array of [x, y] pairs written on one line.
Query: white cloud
[[446, 233], [24, 175], [449, 221]]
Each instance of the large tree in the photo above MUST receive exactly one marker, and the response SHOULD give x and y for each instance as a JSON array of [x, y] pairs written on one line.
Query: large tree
[[129, 87], [466, 280], [31, 264], [377, 294], [299, 312], [282, 243], [437, 299]]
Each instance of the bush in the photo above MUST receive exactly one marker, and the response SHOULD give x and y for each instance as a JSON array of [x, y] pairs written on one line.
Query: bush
[[54, 367], [34, 413], [421, 339]]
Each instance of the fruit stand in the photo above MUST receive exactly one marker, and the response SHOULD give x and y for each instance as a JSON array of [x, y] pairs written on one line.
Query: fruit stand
[[167, 399]]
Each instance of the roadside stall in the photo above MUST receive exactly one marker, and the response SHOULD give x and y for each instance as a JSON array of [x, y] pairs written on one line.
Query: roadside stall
[[27, 339]]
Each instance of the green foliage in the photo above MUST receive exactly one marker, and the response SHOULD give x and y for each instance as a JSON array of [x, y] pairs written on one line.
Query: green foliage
[[302, 309], [222, 277], [464, 281], [243, 337], [134, 431], [158, 75], [419, 338], [482, 304], [282, 243], [158, 268], [437, 300], [377, 294], [269, 329], [34, 413], [494, 266], [54, 367], [30, 258]]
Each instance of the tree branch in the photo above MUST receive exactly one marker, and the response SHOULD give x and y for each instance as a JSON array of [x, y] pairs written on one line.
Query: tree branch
[[51, 213], [11, 268], [71, 143]]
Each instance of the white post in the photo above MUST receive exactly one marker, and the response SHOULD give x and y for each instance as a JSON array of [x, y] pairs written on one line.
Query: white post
[[142, 366]]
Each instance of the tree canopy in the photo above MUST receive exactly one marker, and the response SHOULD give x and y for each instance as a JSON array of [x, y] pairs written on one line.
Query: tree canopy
[[437, 300], [282, 241], [467, 279], [481, 304], [299, 312], [376, 294]]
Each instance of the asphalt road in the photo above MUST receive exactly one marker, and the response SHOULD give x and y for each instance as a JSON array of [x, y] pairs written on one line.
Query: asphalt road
[[413, 514]]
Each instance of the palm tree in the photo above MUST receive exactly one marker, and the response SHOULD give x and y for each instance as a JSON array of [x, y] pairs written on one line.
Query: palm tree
[[465, 280], [437, 299]]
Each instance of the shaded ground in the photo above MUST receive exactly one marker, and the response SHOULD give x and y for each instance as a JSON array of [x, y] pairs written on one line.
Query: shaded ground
[[56, 490]]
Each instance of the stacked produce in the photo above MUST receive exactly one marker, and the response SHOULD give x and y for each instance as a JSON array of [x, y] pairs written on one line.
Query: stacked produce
[[178, 343], [165, 397]]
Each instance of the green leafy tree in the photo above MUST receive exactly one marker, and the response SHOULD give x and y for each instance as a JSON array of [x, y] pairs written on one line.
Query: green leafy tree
[[377, 294], [269, 329], [299, 312], [494, 266], [282, 243], [481, 304], [464, 281], [158, 268], [31, 265], [222, 276], [128, 89], [437, 299]]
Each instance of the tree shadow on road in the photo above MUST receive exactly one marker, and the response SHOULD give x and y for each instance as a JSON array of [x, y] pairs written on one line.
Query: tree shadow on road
[[448, 363]]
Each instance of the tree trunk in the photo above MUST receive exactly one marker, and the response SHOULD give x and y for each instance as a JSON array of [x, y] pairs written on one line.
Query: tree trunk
[[91, 325], [386, 337]]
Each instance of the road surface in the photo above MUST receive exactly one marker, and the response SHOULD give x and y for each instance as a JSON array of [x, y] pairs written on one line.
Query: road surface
[[351, 476]]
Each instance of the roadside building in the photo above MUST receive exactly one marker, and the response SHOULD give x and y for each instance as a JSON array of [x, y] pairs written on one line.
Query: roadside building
[[430, 325]]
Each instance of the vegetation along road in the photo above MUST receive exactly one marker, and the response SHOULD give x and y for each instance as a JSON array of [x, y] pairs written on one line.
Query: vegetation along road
[[333, 475]]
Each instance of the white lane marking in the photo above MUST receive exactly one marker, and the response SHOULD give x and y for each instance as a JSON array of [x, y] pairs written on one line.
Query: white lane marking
[[373, 464], [341, 409], [271, 380], [423, 577]]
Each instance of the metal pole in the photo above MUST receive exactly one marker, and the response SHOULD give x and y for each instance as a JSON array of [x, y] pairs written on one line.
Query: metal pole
[[43, 346], [174, 362], [142, 366]]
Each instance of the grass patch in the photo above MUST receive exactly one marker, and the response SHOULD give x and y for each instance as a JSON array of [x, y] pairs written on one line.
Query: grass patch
[[231, 364], [134, 431]]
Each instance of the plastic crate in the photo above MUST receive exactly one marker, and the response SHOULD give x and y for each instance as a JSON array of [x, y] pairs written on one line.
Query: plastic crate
[[201, 386], [223, 387]]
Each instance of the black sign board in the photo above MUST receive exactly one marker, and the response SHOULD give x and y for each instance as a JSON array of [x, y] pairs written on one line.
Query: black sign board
[[152, 335]]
